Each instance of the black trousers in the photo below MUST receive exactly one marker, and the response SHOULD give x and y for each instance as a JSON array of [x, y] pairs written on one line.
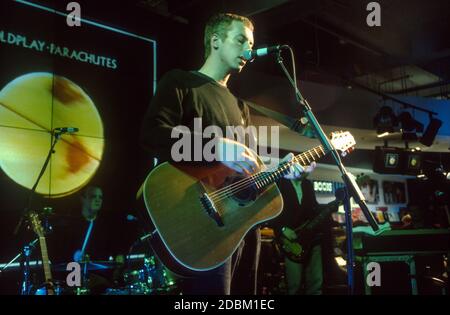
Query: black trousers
[[237, 276]]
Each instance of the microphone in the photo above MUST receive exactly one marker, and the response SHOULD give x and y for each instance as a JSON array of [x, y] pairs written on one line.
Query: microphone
[[66, 130], [260, 52]]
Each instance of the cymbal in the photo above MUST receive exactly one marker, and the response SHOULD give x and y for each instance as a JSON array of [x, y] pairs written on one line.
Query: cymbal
[[90, 265]]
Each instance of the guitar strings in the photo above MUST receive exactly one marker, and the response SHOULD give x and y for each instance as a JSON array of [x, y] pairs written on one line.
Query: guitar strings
[[225, 192], [219, 199], [263, 175], [247, 182], [253, 179]]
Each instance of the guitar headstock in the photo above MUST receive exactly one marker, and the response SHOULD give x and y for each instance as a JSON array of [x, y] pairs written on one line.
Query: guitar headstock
[[36, 224], [343, 141]]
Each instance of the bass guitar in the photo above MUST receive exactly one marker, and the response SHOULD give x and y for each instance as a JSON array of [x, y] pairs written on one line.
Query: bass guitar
[[296, 243]]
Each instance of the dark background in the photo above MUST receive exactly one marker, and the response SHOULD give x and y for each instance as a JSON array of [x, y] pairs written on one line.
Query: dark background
[[121, 96], [332, 45]]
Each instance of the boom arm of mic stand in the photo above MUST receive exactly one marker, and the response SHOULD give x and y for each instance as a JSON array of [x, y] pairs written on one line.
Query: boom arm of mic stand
[[353, 189]]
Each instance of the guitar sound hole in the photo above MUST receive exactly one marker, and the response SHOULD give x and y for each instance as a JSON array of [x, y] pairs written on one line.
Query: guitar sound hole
[[242, 192]]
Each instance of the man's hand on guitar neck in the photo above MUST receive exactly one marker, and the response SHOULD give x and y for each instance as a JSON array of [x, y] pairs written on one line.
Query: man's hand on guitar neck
[[241, 159], [296, 171]]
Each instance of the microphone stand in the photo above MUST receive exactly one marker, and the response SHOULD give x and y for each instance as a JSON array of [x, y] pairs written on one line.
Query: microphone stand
[[33, 189], [25, 289], [351, 188], [30, 245]]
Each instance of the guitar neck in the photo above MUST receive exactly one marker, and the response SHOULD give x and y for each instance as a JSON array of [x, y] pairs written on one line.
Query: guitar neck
[[310, 155], [313, 223], [45, 260], [265, 178]]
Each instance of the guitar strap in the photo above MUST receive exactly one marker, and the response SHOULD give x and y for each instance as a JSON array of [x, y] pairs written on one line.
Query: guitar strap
[[298, 190], [298, 125]]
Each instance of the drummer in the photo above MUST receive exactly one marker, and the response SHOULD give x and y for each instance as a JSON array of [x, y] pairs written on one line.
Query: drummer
[[91, 203], [93, 242]]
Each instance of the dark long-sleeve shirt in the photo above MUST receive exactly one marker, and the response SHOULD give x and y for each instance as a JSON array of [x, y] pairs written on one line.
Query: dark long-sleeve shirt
[[182, 96]]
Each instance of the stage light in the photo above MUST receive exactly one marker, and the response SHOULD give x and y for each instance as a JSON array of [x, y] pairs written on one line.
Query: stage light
[[385, 120], [388, 160], [409, 126], [391, 160], [431, 132], [413, 162]]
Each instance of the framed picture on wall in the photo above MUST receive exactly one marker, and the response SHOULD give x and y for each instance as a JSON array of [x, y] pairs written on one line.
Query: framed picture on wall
[[369, 189], [394, 192]]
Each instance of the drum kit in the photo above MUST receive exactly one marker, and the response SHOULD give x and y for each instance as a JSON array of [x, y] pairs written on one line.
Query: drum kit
[[145, 277], [134, 274], [150, 278]]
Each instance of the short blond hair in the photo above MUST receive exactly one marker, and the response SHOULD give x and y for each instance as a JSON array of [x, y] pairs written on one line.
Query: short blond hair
[[219, 24]]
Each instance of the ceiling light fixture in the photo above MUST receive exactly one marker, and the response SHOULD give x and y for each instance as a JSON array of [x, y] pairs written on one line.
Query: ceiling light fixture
[[385, 121]]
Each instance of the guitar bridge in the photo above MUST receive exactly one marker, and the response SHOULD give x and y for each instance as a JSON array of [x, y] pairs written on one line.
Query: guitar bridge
[[211, 209]]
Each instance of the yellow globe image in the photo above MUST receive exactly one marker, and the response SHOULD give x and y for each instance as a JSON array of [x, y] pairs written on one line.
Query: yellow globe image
[[31, 107]]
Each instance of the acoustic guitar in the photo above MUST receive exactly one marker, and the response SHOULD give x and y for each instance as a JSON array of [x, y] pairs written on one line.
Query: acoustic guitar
[[202, 213]]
